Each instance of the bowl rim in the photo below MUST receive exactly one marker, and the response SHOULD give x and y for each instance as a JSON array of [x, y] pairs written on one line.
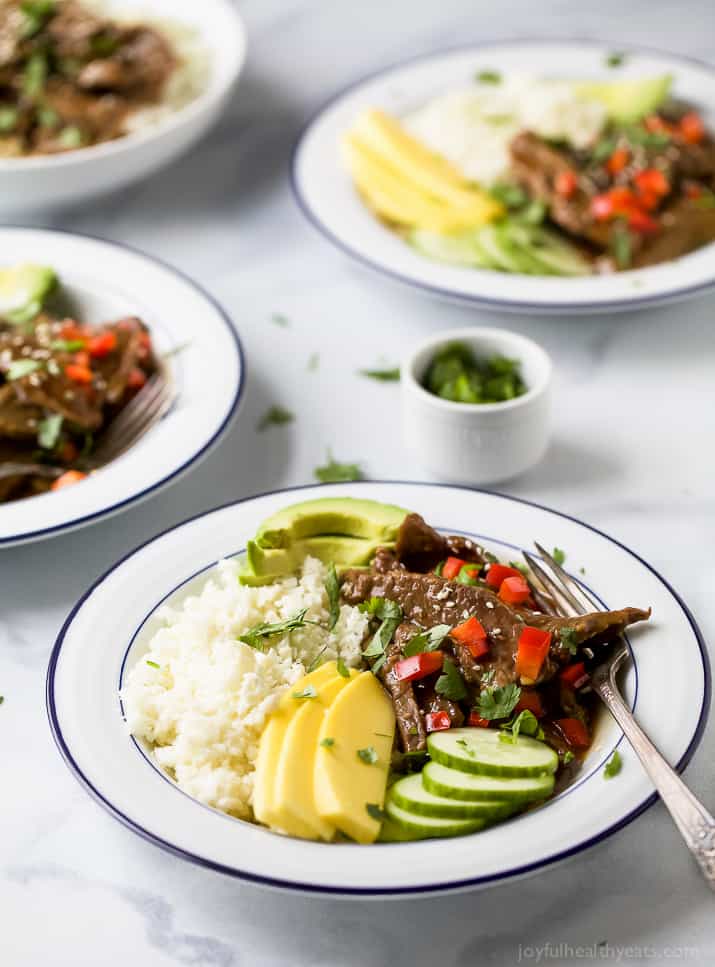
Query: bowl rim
[[203, 103], [514, 341], [307, 888]]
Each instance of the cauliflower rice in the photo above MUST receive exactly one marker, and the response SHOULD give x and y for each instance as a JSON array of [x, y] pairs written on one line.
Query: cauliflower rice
[[204, 708]]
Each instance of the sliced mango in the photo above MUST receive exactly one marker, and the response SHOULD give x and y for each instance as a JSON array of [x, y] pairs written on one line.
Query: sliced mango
[[271, 746], [294, 790], [351, 772]]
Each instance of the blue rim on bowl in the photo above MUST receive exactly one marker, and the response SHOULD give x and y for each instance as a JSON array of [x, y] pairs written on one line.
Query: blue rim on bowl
[[357, 892]]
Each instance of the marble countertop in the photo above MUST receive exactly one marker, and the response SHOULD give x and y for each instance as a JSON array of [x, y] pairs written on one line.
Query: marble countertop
[[634, 401]]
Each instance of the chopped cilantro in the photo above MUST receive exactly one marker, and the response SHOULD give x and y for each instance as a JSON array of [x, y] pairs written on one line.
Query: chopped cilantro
[[48, 431], [332, 588], [488, 77], [510, 195], [613, 766], [568, 638], [280, 320], [428, 640], [327, 742], [153, 664], [343, 669], [47, 117], [334, 472], [71, 137], [367, 755], [254, 636], [582, 570], [558, 555], [603, 149], [491, 558], [313, 362], [307, 692], [382, 375], [8, 119], [616, 59], [568, 757], [450, 683], [498, 702], [390, 615], [2, 699], [374, 811], [517, 565], [275, 416], [21, 367]]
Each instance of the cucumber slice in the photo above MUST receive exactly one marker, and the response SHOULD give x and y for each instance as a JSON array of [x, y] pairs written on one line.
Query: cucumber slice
[[558, 256], [410, 794], [425, 827], [492, 245], [462, 249], [484, 751], [465, 786]]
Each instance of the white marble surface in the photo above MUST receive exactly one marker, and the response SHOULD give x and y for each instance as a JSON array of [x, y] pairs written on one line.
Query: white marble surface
[[632, 453]]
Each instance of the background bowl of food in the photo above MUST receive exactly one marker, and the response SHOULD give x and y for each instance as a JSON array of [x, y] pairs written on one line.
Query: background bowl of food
[[98, 93], [476, 404]]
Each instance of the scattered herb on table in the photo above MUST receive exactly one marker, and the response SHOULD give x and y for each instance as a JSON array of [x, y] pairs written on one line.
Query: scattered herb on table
[[582, 570], [280, 320], [558, 555], [615, 59], [613, 766], [382, 375], [498, 702], [374, 811], [456, 374], [275, 416], [450, 683], [327, 742], [368, 755], [488, 77], [332, 588], [307, 692], [254, 636], [343, 669], [429, 640], [334, 472], [313, 362], [2, 699]]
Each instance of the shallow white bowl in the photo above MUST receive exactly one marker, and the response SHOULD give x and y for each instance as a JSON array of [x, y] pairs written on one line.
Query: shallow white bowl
[[478, 443], [670, 698], [31, 184], [107, 281], [325, 191]]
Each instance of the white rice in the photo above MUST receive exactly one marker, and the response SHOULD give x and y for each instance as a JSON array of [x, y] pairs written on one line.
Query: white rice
[[190, 77], [204, 708]]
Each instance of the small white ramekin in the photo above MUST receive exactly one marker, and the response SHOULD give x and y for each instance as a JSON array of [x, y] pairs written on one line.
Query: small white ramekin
[[478, 443]]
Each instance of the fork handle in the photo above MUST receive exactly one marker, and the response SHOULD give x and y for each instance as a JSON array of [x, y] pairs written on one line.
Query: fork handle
[[693, 820]]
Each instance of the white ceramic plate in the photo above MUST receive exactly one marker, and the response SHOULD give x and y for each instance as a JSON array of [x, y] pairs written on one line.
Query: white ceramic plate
[[326, 194], [107, 281], [48, 181], [86, 716]]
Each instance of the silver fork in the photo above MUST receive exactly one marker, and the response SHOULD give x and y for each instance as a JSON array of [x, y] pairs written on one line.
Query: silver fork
[[144, 411], [695, 823]]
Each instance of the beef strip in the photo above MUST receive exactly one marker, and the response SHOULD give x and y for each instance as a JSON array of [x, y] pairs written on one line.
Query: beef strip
[[410, 723], [686, 226], [420, 547], [429, 600]]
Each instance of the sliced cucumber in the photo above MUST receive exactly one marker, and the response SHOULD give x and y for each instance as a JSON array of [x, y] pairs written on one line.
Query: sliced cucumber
[[425, 827], [462, 249], [410, 794], [558, 256], [518, 240], [465, 786], [485, 751], [500, 255]]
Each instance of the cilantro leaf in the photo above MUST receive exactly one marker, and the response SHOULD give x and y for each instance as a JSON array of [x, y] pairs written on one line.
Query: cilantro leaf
[[382, 375], [313, 362], [307, 692], [613, 766], [9, 116], [569, 639], [327, 742], [428, 640], [616, 59], [368, 755], [153, 664], [520, 566], [343, 669], [525, 722], [568, 757], [332, 589], [450, 682], [48, 431], [275, 416], [374, 811], [67, 345], [498, 702], [390, 615], [621, 248], [280, 320], [254, 636], [21, 367], [488, 77], [558, 555], [334, 472]]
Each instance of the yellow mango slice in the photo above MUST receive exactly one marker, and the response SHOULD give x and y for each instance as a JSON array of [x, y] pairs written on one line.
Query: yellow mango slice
[[361, 723], [271, 745], [294, 790]]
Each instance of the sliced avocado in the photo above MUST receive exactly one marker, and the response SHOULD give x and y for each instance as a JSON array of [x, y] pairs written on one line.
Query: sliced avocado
[[344, 516], [23, 290], [266, 564], [627, 100]]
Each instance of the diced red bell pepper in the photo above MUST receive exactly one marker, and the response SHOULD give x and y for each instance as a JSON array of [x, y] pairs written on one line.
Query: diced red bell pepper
[[618, 161], [658, 125], [452, 567], [565, 183], [418, 666], [78, 373], [572, 673], [616, 201], [472, 635], [530, 701], [691, 127], [437, 721], [533, 648], [102, 345], [498, 572], [136, 378], [575, 733], [67, 478], [515, 590], [71, 331], [651, 181], [81, 358], [477, 721], [642, 223]]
